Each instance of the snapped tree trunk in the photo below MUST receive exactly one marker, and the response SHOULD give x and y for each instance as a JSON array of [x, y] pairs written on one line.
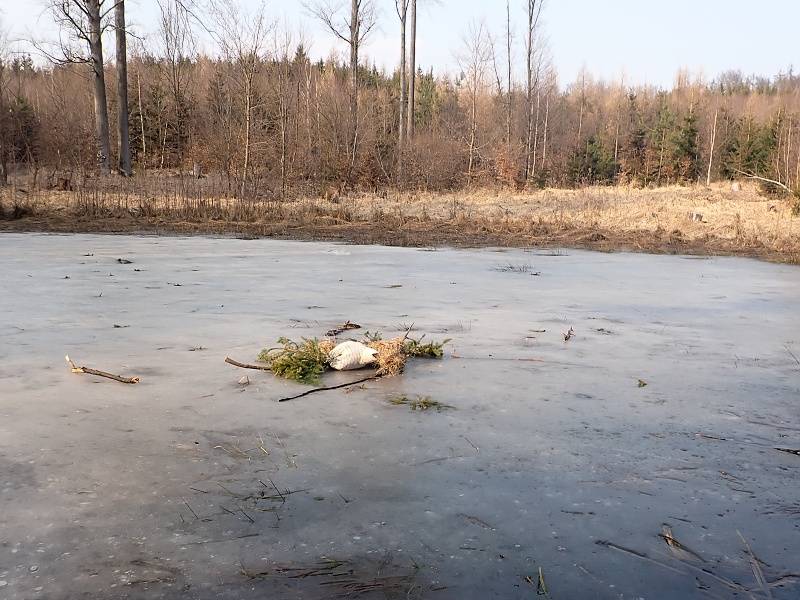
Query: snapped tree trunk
[[99, 87], [123, 133]]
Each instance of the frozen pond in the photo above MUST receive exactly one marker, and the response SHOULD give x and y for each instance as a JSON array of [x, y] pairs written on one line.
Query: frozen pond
[[575, 460]]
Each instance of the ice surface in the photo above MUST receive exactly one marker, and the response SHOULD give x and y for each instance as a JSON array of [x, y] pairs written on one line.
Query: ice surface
[[192, 485]]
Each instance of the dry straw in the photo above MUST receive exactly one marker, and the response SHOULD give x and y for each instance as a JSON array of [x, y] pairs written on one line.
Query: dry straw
[[391, 357]]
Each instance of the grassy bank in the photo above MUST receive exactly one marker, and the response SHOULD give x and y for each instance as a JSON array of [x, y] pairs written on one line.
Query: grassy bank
[[716, 220]]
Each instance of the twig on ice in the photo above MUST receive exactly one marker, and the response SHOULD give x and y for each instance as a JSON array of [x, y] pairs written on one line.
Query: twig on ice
[[230, 361], [100, 373]]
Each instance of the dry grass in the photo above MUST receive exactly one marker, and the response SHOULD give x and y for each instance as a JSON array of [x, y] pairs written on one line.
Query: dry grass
[[732, 221], [652, 220], [391, 356]]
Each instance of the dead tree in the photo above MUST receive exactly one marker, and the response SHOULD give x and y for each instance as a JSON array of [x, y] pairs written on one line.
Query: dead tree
[[473, 60], [242, 36]]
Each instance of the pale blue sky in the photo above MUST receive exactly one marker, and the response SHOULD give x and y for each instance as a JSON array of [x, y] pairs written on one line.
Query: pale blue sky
[[644, 40]]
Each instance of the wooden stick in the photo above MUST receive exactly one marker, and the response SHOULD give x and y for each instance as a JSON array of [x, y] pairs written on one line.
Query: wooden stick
[[100, 373], [330, 387], [230, 361]]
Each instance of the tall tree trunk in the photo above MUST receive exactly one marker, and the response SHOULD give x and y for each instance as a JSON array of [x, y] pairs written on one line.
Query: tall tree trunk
[[509, 97], [473, 128], [535, 142], [402, 11], [99, 87], [544, 133], [583, 104], [355, 42], [123, 134], [711, 148], [3, 130], [141, 121], [788, 154], [529, 85], [412, 67], [248, 107]]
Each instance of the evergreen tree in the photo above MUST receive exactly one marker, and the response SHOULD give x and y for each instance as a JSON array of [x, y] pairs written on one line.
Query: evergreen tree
[[592, 164], [685, 159], [750, 149]]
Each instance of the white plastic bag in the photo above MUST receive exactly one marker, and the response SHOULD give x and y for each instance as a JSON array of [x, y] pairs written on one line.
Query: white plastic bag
[[351, 355]]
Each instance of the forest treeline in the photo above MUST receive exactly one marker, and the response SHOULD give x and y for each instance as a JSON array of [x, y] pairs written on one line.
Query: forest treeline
[[277, 123]]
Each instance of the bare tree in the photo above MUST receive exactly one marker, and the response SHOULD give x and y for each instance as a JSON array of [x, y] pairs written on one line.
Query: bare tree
[[353, 31], [242, 36], [83, 22], [123, 134], [532, 72], [287, 72], [177, 46], [505, 82], [473, 61]]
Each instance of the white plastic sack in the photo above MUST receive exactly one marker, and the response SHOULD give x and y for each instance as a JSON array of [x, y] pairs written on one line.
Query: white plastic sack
[[351, 355]]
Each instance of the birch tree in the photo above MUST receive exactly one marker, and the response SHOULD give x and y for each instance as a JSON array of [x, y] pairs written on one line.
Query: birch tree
[[242, 37]]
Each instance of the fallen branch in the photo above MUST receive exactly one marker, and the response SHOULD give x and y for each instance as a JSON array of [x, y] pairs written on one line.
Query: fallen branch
[[764, 179], [331, 387], [100, 373], [230, 361]]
